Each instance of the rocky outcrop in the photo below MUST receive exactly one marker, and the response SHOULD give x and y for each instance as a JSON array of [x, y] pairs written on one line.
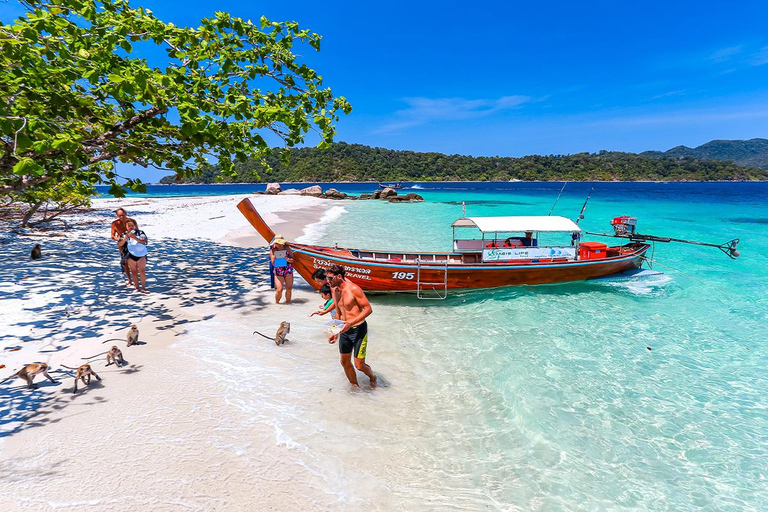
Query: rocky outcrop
[[314, 191], [387, 194], [408, 198], [272, 189], [332, 193]]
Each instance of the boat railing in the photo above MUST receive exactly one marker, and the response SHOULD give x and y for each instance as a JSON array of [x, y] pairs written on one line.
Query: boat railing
[[399, 257]]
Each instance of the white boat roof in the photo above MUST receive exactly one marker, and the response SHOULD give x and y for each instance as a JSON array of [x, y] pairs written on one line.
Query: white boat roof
[[521, 223]]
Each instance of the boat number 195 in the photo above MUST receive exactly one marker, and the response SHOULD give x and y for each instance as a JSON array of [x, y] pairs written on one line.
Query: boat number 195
[[402, 275]]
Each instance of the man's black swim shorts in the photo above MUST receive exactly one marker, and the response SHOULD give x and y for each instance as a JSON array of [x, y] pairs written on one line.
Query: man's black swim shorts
[[354, 341]]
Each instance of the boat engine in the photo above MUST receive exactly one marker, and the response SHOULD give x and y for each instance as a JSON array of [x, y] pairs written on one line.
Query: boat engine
[[624, 225]]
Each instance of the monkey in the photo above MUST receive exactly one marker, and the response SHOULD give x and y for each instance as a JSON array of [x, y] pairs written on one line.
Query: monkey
[[115, 356], [133, 335], [29, 372], [282, 332], [36, 253], [82, 372]]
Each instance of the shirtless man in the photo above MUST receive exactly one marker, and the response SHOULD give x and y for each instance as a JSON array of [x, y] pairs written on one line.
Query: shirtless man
[[118, 228], [354, 307]]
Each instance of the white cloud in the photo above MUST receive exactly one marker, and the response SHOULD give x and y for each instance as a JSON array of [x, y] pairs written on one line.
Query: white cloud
[[425, 110], [761, 57], [692, 117], [725, 54]]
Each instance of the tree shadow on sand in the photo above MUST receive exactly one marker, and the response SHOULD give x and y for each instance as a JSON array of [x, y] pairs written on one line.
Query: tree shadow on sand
[[76, 291]]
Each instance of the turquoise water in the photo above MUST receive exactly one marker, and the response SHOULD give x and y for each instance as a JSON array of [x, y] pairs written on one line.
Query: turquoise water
[[645, 394]]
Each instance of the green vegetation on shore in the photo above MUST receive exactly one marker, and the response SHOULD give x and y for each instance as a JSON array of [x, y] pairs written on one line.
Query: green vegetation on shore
[[356, 162]]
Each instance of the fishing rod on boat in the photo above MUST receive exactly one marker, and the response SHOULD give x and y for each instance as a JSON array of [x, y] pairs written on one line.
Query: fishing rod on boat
[[558, 198], [624, 227], [581, 213]]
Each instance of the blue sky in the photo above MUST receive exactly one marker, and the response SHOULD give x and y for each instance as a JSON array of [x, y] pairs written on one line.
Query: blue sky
[[519, 78]]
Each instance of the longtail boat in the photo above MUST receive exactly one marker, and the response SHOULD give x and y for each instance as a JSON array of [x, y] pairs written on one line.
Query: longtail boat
[[394, 185], [493, 260]]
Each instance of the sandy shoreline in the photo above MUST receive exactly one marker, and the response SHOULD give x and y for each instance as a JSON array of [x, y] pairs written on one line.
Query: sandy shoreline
[[143, 436]]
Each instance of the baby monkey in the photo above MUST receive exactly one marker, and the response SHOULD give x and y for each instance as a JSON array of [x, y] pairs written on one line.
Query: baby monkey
[[133, 335], [282, 332], [82, 372], [36, 253], [115, 356]]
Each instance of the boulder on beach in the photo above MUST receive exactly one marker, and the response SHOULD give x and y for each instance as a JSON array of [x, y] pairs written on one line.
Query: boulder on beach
[[291, 192], [273, 188], [314, 191], [409, 198], [387, 192], [332, 193]]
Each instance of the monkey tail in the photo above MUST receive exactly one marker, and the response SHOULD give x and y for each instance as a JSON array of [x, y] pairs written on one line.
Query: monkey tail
[[264, 335], [110, 339], [68, 367], [10, 377], [91, 357]]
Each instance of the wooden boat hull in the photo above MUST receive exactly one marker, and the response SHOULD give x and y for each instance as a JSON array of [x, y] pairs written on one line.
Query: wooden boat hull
[[404, 277], [450, 273]]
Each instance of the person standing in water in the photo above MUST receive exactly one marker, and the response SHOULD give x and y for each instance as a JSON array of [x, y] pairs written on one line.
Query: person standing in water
[[354, 307]]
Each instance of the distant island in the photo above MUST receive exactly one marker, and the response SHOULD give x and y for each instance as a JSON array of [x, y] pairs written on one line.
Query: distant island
[[749, 153], [713, 161]]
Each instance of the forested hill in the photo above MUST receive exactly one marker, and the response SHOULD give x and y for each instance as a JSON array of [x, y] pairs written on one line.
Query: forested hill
[[749, 153], [355, 162]]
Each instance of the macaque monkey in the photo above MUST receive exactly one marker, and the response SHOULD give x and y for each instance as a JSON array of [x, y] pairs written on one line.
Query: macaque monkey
[[83, 372], [36, 253], [115, 356], [282, 332], [133, 335], [28, 373]]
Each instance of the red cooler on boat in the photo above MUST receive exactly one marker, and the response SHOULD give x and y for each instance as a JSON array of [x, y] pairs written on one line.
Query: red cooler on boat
[[592, 250]]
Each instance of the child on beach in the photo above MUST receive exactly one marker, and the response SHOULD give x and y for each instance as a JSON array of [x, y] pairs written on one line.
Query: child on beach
[[328, 306]]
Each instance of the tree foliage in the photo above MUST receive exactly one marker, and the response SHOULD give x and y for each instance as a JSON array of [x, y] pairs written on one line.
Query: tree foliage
[[74, 98], [355, 162]]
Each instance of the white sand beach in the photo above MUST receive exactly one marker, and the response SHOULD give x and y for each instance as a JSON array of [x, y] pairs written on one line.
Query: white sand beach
[[205, 415]]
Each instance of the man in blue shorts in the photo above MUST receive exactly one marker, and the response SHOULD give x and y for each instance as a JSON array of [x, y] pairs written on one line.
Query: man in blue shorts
[[354, 307]]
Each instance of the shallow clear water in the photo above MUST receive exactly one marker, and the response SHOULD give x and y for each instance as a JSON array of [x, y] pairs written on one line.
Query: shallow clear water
[[635, 394], [644, 394]]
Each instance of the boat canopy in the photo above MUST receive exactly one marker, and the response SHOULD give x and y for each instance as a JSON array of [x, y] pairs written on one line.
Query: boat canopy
[[520, 223]]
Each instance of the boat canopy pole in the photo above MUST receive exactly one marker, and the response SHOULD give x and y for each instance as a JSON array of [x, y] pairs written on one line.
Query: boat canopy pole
[[729, 247]]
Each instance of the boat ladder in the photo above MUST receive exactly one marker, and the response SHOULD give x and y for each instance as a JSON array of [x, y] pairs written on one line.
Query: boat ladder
[[432, 290]]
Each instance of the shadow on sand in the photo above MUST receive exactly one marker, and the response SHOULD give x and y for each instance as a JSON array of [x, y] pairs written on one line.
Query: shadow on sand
[[76, 291]]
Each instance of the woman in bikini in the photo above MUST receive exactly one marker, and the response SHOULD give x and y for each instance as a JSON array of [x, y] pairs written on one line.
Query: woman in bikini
[[136, 242], [282, 257]]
